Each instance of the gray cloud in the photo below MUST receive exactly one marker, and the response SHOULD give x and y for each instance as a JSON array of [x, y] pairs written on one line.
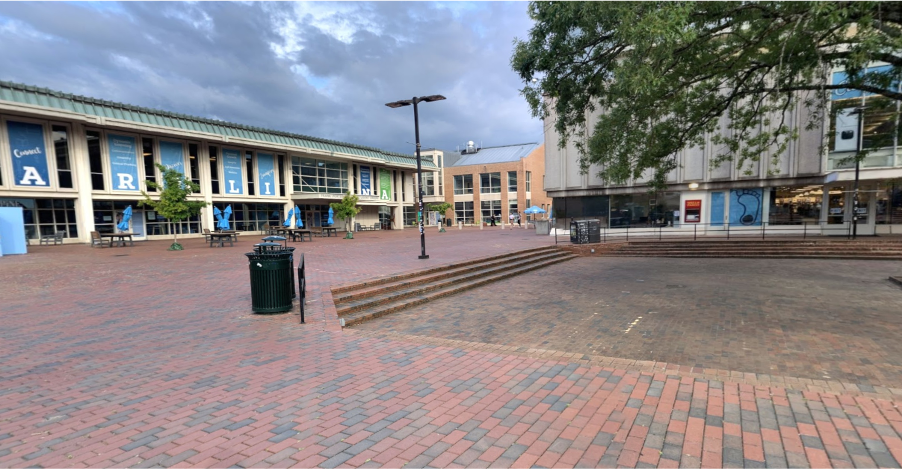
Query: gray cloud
[[319, 69]]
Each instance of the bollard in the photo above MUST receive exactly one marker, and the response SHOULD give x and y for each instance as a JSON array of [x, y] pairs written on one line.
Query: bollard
[[460, 225], [481, 224], [502, 225]]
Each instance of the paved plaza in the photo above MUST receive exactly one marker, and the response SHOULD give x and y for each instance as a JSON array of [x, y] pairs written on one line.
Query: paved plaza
[[143, 357]]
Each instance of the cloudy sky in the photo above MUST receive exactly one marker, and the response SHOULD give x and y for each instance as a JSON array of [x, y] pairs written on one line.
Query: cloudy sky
[[315, 68]]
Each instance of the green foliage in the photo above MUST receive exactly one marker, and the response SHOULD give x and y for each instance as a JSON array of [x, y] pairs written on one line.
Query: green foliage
[[664, 76], [346, 209], [440, 208], [173, 202]]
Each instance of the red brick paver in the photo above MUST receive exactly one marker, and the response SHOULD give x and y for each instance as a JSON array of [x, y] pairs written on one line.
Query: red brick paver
[[141, 357]]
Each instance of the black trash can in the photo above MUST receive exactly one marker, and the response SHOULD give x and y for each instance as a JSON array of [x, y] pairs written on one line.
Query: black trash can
[[272, 283]]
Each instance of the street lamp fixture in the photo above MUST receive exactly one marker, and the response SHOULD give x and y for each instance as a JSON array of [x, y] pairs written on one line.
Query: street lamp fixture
[[416, 126]]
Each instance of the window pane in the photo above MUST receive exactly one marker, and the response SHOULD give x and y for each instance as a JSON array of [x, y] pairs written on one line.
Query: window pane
[[94, 157]]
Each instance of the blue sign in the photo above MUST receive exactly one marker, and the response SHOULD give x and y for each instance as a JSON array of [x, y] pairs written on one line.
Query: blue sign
[[123, 162], [745, 207], [717, 206], [231, 171], [172, 156], [266, 174], [26, 146], [840, 78], [365, 184]]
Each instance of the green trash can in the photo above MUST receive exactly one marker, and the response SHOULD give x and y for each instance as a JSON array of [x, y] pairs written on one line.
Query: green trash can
[[271, 283]]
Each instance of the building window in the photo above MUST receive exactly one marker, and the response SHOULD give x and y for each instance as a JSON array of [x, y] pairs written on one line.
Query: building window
[[249, 174], [410, 214], [46, 216], [441, 185], [463, 212], [214, 169], [95, 159], [512, 206], [889, 205], [193, 165], [252, 217], [490, 183], [281, 159], [512, 181], [490, 207], [61, 149], [394, 178], [528, 184], [150, 170], [403, 185], [463, 184], [312, 175], [429, 183]]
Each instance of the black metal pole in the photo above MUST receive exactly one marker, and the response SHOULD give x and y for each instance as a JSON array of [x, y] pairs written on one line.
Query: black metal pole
[[857, 165], [416, 126]]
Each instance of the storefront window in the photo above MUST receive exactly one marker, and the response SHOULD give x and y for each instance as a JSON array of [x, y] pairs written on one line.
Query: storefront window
[[512, 181], [214, 169], [252, 217], [643, 210], [490, 207], [889, 205], [463, 184], [463, 212], [836, 199], [46, 216], [312, 175], [795, 205]]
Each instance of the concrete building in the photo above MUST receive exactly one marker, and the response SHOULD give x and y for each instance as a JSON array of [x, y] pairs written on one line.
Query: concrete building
[[809, 184], [73, 164], [494, 180]]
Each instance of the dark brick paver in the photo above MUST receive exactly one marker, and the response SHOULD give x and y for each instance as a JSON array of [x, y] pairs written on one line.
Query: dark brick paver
[[141, 357]]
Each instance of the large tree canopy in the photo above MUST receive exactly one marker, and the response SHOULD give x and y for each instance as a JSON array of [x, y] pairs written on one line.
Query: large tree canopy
[[667, 74]]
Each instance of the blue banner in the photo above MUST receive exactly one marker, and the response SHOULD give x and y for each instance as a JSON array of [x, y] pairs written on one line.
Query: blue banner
[[123, 162], [266, 174], [172, 156], [717, 206], [26, 146], [365, 184], [231, 171]]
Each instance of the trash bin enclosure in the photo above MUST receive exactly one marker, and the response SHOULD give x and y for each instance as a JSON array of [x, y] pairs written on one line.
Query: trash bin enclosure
[[272, 278], [585, 231]]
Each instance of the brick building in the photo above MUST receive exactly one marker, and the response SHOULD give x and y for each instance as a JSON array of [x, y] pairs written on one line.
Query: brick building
[[495, 180]]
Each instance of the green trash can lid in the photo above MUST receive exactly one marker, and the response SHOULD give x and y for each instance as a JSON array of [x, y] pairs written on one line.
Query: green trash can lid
[[274, 238]]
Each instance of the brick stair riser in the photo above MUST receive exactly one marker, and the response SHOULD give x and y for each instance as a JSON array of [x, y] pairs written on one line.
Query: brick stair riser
[[767, 250], [380, 281], [763, 256], [435, 285], [478, 283], [437, 276]]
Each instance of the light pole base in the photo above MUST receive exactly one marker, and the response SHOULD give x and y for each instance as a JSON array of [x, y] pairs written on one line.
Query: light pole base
[[423, 257]]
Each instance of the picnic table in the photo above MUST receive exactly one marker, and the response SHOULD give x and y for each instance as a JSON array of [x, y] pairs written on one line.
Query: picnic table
[[120, 238], [329, 231], [221, 237], [299, 233]]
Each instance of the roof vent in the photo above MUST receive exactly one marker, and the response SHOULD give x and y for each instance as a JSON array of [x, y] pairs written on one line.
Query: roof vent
[[471, 147]]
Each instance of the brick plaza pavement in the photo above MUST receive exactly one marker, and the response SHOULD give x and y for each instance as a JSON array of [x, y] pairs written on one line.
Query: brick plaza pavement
[[142, 357]]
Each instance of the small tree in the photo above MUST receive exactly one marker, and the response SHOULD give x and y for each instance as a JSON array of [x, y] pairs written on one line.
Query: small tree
[[440, 208], [173, 203], [345, 210]]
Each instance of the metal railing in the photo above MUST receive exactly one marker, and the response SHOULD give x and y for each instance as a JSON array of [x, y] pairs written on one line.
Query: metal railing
[[696, 231], [302, 287]]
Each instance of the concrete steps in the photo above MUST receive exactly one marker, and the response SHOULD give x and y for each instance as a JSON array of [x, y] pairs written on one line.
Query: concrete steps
[[356, 303], [778, 249]]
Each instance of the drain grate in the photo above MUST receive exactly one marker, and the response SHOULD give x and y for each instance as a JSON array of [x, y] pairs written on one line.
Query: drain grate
[[676, 286]]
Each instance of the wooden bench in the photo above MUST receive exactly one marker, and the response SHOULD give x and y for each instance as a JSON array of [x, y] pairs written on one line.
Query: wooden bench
[[56, 238]]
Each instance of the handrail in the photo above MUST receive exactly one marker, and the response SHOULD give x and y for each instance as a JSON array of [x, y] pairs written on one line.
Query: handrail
[[762, 230]]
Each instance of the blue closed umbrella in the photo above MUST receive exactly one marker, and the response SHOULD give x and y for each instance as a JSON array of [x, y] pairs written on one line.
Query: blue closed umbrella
[[287, 223], [126, 216], [223, 223], [297, 216], [330, 216]]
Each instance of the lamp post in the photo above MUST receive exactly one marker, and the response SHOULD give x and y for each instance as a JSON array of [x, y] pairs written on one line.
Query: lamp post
[[416, 126], [860, 145]]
